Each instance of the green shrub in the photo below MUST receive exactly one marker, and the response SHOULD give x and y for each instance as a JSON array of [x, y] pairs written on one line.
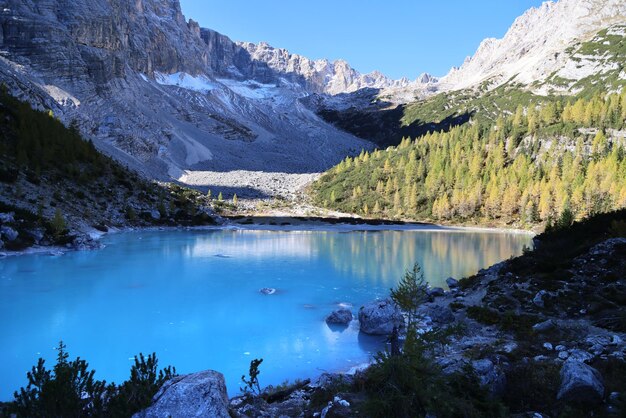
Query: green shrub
[[70, 389]]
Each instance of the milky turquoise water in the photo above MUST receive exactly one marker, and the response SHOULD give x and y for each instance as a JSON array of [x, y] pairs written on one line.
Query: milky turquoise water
[[193, 298]]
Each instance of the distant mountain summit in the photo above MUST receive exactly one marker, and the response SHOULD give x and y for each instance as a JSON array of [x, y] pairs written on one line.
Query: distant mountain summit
[[320, 76], [541, 44], [540, 50]]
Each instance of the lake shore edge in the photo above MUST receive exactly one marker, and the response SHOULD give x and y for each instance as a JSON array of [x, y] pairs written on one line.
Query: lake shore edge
[[91, 240]]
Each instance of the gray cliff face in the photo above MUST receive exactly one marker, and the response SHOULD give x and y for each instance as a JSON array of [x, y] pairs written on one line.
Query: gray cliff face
[[161, 94], [95, 42]]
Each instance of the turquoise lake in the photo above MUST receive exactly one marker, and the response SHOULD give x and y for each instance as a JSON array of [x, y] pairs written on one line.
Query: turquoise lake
[[193, 298]]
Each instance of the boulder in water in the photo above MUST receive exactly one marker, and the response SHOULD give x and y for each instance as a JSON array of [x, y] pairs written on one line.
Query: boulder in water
[[267, 290], [340, 317]]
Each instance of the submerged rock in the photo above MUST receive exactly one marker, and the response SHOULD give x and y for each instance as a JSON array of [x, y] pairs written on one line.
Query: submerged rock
[[379, 318], [200, 394], [580, 383], [267, 290], [340, 316]]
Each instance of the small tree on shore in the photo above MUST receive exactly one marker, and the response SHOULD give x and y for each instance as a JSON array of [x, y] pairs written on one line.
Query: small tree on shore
[[410, 293], [58, 223], [252, 383]]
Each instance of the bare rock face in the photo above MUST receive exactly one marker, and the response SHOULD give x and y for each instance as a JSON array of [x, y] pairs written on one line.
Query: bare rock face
[[163, 95], [194, 395], [380, 317], [94, 42]]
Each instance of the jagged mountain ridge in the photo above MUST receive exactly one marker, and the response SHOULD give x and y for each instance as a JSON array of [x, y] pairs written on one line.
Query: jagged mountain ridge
[[536, 45], [166, 96], [567, 47], [323, 76], [539, 45]]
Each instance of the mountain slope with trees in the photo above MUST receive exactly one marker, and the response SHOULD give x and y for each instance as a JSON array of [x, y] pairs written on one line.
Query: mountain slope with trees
[[553, 161], [56, 188]]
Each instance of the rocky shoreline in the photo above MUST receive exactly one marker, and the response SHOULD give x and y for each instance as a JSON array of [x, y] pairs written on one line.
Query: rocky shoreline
[[540, 348], [89, 238]]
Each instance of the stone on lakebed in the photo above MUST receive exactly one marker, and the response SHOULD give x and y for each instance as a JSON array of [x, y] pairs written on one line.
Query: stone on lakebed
[[267, 290]]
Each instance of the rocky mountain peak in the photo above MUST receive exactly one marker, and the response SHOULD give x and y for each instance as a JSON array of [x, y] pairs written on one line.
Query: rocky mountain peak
[[320, 76], [530, 49]]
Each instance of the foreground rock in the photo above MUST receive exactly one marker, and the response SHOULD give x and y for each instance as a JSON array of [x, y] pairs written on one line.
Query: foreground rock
[[296, 400], [339, 317], [380, 317], [200, 394], [581, 384]]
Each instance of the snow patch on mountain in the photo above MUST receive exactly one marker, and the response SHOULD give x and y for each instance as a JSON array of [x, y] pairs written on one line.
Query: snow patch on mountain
[[186, 81], [252, 89]]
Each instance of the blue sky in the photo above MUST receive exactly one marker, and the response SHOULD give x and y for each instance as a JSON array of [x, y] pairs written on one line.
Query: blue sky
[[398, 37]]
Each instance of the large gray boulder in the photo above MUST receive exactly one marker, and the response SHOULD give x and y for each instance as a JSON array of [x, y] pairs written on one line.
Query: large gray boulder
[[580, 383], [200, 394], [379, 318]]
